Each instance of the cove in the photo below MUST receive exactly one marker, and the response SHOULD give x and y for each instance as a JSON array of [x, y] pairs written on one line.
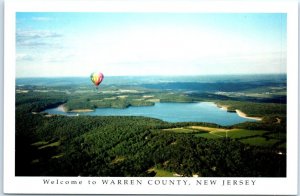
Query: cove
[[170, 112]]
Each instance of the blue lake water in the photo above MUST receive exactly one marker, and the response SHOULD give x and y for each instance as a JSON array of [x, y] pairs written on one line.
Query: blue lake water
[[170, 112]]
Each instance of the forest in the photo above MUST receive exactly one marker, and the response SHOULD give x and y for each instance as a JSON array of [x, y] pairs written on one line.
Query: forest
[[58, 145]]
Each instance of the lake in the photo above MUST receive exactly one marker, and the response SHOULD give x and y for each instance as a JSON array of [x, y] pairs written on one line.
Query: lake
[[170, 112]]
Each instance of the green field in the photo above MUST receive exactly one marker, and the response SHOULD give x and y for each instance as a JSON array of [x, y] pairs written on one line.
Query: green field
[[44, 144], [277, 135], [208, 135], [162, 172], [259, 141], [210, 132], [239, 133], [252, 137]]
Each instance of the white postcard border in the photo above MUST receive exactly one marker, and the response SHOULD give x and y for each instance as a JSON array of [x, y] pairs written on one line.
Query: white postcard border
[[278, 186]]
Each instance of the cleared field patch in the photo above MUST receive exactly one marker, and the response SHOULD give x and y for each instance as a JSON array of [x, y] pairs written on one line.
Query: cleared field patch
[[40, 143], [118, 159], [277, 135], [208, 135], [259, 141], [122, 96], [252, 137], [50, 145], [202, 128], [240, 133], [232, 133], [58, 156], [35, 161], [183, 130], [162, 172], [138, 99], [148, 96], [107, 98]]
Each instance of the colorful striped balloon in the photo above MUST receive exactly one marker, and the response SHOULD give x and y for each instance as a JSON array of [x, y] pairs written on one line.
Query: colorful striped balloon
[[97, 78]]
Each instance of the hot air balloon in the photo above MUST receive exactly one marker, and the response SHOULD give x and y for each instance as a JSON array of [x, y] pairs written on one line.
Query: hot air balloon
[[97, 78]]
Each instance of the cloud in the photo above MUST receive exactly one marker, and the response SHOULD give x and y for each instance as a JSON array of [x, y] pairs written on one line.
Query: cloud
[[31, 43], [36, 37], [35, 34], [24, 57]]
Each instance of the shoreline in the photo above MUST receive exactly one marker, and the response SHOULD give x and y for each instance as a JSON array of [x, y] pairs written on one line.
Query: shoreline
[[81, 110], [243, 115], [239, 112], [62, 108], [222, 107]]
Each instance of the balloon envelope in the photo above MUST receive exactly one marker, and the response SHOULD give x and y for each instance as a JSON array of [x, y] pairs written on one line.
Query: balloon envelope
[[97, 78]]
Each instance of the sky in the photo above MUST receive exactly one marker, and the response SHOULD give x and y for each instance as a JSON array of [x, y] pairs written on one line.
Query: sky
[[76, 44]]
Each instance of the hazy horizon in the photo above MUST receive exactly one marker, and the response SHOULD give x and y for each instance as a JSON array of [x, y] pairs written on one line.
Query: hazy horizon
[[131, 80], [146, 44], [207, 75]]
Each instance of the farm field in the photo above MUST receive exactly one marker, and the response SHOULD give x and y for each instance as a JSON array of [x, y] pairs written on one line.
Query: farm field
[[252, 137]]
